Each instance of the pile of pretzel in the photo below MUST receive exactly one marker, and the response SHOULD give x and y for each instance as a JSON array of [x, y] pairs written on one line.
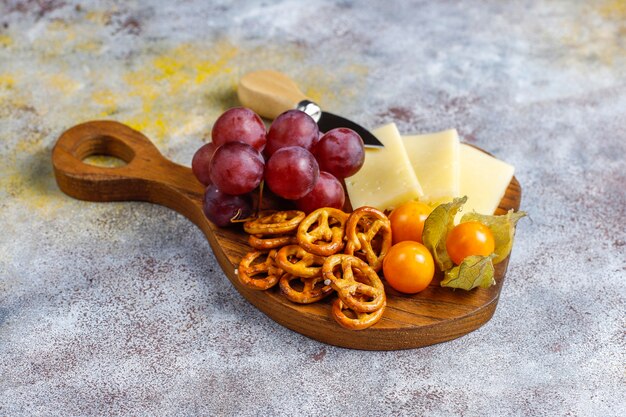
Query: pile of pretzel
[[310, 257]]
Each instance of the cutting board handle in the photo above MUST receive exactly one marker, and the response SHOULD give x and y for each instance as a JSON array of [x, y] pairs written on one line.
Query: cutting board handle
[[147, 175], [269, 93]]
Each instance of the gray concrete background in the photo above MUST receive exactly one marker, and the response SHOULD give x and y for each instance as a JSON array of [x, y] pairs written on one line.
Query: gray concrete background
[[121, 309]]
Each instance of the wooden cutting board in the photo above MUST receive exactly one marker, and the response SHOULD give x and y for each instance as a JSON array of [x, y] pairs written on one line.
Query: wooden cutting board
[[434, 315]]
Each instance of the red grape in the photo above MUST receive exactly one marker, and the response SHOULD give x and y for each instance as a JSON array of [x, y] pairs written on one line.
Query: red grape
[[236, 168], [201, 162], [291, 172], [328, 192], [292, 128], [239, 124], [220, 207], [340, 152]]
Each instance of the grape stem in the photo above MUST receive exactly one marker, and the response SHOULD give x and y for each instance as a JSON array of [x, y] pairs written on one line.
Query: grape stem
[[235, 218]]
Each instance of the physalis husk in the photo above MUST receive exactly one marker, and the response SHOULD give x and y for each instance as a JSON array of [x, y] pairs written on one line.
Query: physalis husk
[[474, 271]]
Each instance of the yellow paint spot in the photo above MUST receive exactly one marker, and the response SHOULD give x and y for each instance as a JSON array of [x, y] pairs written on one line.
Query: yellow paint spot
[[614, 9], [12, 184], [595, 34], [58, 25], [88, 46], [107, 99], [59, 39], [5, 41], [7, 81], [165, 85], [27, 179], [185, 66], [98, 17], [63, 83], [28, 145], [19, 187]]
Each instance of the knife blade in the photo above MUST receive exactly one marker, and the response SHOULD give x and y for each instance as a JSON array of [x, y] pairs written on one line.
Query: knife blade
[[270, 93], [330, 121]]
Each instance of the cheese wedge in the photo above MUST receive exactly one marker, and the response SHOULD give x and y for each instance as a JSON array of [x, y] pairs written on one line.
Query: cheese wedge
[[435, 161], [386, 178], [484, 180]]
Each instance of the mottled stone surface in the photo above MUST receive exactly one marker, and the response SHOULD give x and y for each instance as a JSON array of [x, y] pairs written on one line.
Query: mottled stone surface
[[121, 308]]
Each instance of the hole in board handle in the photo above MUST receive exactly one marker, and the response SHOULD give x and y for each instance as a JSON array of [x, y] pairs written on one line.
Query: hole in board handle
[[104, 161], [104, 151]]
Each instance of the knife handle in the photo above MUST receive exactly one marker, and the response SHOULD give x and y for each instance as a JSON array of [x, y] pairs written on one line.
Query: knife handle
[[269, 93]]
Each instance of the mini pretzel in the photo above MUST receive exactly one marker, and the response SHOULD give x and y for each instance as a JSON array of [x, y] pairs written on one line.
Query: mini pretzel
[[296, 261], [274, 222], [313, 289], [269, 273], [365, 226], [267, 243], [356, 320], [326, 236], [356, 283]]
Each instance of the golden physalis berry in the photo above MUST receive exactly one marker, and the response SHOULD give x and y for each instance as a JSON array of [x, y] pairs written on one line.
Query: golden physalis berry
[[408, 267], [468, 239], [407, 221]]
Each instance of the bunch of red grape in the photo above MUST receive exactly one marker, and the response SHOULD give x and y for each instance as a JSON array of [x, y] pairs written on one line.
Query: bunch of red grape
[[293, 158]]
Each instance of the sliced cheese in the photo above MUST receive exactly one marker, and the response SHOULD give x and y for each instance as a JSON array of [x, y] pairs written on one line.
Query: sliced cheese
[[386, 178], [484, 180], [435, 161]]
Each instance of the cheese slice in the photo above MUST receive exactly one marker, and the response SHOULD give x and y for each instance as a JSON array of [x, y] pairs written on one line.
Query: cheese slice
[[484, 180], [386, 178], [435, 161]]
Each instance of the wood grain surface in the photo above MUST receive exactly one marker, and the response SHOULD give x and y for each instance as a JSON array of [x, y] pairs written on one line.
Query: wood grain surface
[[434, 315]]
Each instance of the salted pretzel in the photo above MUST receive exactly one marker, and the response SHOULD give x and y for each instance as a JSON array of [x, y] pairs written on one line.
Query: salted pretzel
[[368, 234], [321, 232], [355, 320], [259, 275], [274, 222], [296, 261], [356, 283], [271, 242], [308, 291]]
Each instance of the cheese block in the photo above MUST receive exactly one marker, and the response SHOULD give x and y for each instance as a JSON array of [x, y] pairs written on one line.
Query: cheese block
[[484, 180], [386, 178], [435, 161]]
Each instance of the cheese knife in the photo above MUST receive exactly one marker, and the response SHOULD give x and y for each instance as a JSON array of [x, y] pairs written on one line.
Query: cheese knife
[[270, 93]]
